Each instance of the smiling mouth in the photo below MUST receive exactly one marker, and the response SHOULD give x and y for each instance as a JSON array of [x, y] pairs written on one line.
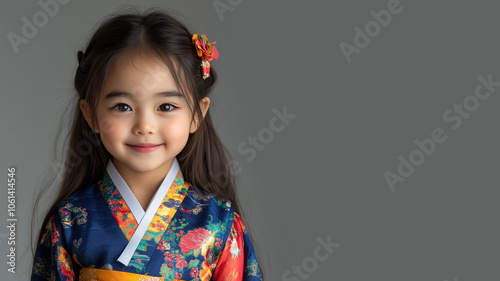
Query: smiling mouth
[[144, 147]]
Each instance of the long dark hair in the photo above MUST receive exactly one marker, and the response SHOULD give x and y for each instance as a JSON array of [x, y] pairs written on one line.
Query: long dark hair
[[204, 160]]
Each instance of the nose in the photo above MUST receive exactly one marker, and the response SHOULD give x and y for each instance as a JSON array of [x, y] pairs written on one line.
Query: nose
[[144, 123]]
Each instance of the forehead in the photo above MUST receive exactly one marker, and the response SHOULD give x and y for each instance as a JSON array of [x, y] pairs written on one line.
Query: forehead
[[139, 73]]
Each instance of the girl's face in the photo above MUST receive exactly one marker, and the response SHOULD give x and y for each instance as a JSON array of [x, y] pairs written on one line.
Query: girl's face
[[143, 120]]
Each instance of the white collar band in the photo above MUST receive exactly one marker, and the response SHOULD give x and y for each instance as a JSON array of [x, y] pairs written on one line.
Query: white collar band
[[142, 217]]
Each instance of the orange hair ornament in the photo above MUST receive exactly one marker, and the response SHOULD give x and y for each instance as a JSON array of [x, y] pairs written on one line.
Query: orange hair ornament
[[206, 51]]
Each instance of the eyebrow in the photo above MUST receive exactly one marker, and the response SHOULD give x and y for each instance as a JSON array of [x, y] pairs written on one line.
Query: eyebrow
[[114, 94]]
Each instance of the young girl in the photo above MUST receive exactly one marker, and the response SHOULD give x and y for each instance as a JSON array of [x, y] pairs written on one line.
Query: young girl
[[149, 193]]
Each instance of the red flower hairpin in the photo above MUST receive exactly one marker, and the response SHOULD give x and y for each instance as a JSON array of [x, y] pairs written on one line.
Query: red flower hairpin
[[206, 51]]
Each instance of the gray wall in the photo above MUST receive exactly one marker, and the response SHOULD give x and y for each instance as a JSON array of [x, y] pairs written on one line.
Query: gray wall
[[359, 114]]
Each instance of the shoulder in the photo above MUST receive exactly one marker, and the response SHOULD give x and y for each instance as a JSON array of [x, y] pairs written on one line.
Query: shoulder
[[238, 223], [73, 210], [199, 196], [210, 208], [83, 196]]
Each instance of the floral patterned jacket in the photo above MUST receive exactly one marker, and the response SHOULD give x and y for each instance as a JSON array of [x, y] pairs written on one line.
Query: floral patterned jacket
[[193, 235]]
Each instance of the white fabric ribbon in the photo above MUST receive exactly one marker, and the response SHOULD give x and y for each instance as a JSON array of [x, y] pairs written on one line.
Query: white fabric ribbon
[[143, 218]]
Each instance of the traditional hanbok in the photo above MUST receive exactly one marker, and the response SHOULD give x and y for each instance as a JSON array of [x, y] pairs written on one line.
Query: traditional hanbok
[[101, 233]]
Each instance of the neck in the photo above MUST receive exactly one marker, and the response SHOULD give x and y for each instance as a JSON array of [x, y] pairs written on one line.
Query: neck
[[143, 184]]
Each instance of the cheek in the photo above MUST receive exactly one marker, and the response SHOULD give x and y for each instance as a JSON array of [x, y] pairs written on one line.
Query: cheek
[[111, 132], [176, 131], [107, 125]]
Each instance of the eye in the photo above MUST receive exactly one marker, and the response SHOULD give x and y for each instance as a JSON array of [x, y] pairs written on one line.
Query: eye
[[122, 107], [166, 107]]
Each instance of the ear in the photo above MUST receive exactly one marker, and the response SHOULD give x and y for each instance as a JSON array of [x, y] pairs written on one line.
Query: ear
[[204, 105], [85, 108]]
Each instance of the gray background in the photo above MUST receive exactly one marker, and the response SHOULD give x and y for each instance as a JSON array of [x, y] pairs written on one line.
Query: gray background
[[323, 175]]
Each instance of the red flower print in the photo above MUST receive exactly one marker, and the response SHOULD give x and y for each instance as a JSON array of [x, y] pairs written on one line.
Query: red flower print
[[169, 256], [160, 226], [194, 272], [178, 275], [180, 262], [161, 247], [64, 264], [194, 239], [54, 237]]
